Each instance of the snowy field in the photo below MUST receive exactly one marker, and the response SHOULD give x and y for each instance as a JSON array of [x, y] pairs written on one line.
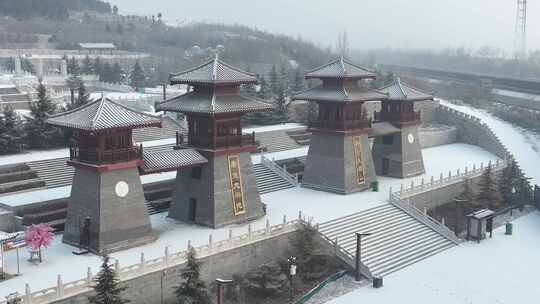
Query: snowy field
[[503, 269], [319, 205]]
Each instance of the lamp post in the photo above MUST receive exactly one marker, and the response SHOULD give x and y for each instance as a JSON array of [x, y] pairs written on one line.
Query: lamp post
[[220, 283], [513, 191], [292, 273], [359, 236]]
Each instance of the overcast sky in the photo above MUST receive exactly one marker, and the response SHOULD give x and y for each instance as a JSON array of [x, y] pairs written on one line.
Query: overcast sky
[[369, 23]]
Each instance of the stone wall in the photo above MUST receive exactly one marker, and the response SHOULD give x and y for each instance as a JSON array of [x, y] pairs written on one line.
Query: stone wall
[[159, 286], [434, 136], [443, 189], [7, 221], [154, 280]]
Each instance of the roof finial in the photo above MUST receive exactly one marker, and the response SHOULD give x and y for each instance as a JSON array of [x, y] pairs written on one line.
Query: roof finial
[[341, 61], [216, 60]]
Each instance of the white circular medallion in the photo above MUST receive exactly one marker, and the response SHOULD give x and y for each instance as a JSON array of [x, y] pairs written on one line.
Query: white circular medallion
[[121, 189], [410, 138]]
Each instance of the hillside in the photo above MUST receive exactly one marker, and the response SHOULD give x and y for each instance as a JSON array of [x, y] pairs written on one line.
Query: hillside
[[56, 9]]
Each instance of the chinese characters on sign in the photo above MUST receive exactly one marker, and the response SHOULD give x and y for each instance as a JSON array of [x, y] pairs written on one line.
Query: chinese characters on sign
[[357, 146], [236, 185]]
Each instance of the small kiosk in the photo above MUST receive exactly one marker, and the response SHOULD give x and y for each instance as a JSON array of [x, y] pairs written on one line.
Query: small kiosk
[[479, 223]]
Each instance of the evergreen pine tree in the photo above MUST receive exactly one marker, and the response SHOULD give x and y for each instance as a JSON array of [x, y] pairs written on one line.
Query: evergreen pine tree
[[87, 67], [73, 83], [304, 245], [298, 85], [117, 73], [73, 67], [39, 134], [106, 73], [27, 65], [467, 194], [284, 83], [137, 78], [264, 88], [488, 191], [106, 286], [281, 107], [274, 81], [98, 67], [10, 132], [82, 96], [193, 289], [509, 180]]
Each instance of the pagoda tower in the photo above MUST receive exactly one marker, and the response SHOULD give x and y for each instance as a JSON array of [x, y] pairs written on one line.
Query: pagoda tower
[[400, 154], [223, 191], [107, 210], [339, 158]]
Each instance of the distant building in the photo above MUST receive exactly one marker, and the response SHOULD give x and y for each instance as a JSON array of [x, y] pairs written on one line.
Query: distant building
[[10, 95], [97, 48]]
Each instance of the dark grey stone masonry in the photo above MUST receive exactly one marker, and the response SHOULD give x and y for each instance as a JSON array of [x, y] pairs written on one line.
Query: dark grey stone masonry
[[399, 155], [116, 222], [331, 164], [210, 193]]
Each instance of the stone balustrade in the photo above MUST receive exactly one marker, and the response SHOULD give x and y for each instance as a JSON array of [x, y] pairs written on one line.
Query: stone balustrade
[[169, 259]]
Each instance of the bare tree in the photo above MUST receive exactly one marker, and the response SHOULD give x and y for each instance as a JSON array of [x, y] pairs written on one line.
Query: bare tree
[[343, 44]]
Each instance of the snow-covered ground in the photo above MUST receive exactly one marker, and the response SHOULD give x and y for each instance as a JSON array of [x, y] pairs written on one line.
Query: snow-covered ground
[[503, 269], [319, 205], [524, 144]]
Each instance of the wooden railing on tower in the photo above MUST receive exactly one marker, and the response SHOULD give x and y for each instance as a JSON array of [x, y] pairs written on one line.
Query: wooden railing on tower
[[219, 142], [397, 116], [341, 124], [99, 156]]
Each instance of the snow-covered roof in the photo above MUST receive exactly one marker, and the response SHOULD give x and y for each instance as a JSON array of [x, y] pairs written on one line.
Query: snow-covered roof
[[481, 214], [339, 93], [340, 68], [400, 91], [97, 46], [214, 72], [103, 114], [212, 103], [171, 160]]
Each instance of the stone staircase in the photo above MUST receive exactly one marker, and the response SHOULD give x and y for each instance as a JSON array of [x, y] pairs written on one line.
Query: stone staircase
[[397, 241], [18, 177], [269, 181], [275, 141], [54, 172]]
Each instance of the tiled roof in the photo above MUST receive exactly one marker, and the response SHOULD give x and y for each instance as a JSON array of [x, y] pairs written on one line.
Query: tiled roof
[[210, 103], [171, 160], [340, 68], [103, 114], [97, 45], [399, 90], [213, 72], [339, 94]]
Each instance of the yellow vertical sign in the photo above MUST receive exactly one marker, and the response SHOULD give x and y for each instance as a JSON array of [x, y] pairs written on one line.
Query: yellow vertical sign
[[236, 185], [357, 147]]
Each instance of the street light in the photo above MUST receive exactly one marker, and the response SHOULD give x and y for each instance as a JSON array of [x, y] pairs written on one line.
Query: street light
[[292, 273], [358, 276], [220, 283]]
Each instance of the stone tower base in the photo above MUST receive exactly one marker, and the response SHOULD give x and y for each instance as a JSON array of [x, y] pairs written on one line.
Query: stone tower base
[[114, 201], [339, 163], [399, 155], [204, 195]]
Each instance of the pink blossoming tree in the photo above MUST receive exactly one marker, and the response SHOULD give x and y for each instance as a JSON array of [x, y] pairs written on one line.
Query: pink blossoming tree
[[38, 236]]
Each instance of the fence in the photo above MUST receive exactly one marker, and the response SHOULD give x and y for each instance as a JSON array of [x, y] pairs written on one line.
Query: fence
[[169, 259], [442, 181], [270, 164], [424, 218], [320, 286]]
